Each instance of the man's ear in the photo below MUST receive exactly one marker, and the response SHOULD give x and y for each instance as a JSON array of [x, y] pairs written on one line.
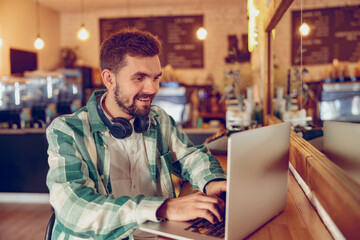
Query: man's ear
[[109, 79]]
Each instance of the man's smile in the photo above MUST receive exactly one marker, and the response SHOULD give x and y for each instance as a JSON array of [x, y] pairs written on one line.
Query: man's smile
[[145, 98]]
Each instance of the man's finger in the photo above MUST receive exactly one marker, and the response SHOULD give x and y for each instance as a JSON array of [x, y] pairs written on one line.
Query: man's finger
[[208, 215], [214, 207]]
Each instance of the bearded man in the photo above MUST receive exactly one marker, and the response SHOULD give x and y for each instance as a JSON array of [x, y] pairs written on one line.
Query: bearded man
[[111, 161]]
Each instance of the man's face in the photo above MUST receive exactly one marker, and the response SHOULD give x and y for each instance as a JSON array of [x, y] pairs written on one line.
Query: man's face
[[137, 84]]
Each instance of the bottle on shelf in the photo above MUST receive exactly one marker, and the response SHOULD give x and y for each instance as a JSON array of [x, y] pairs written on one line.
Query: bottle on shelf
[[279, 102]]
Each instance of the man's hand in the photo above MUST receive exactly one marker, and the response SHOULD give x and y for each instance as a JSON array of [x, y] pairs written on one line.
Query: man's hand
[[196, 205]]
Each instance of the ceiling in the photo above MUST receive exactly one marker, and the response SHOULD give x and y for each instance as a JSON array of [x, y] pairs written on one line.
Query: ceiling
[[90, 5]]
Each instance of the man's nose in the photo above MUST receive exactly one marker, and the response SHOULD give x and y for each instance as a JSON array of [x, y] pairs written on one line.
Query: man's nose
[[151, 86]]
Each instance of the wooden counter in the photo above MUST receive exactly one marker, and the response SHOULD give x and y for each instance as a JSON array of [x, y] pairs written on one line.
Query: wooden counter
[[24, 160], [299, 220]]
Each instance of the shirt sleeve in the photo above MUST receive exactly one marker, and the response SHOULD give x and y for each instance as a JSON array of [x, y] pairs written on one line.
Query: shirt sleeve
[[190, 162], [73, 184]]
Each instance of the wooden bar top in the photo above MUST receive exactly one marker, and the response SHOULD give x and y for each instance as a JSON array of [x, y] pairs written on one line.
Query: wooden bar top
[[299, 220]]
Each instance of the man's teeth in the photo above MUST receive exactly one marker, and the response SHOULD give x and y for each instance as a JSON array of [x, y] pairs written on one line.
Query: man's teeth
[[144, 99]]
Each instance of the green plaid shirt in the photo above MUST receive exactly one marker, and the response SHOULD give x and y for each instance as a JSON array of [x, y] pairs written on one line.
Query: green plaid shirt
[[79, 174]]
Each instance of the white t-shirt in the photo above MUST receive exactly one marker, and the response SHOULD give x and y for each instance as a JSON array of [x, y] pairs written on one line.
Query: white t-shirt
[[129, 169]]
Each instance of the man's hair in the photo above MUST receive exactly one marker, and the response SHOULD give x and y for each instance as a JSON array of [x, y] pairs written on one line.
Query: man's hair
[[128, 41]]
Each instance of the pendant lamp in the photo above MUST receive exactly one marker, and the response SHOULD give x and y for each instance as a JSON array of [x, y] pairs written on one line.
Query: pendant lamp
[[39, 43], [83, 34]]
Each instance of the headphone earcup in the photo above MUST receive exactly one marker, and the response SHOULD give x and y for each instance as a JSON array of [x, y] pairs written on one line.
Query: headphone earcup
[[141, 124], [121, 128]]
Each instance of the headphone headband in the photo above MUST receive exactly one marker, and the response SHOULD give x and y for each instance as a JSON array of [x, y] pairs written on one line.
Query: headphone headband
[[102, 115]]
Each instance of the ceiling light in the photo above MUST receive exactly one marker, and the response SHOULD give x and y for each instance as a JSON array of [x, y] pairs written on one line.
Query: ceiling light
[[39, 43], [304, 29], [201, 33], [83, 34]]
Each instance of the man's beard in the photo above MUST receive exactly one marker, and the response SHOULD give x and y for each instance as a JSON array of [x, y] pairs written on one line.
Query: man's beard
[[130, 107]]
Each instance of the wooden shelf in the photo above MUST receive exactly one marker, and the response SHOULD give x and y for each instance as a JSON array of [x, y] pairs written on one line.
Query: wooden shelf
[[212, 115]]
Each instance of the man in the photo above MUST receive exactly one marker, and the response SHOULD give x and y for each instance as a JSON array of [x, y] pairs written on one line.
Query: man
[[111, 161]]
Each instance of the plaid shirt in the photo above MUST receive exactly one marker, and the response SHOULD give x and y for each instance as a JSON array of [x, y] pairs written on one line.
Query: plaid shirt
[[79, 174]]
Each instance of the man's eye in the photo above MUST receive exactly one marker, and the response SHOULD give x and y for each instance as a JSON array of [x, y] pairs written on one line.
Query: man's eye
[[139, 78]]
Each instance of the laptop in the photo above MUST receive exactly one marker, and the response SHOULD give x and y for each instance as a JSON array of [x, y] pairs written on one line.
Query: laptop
[[257, 180]]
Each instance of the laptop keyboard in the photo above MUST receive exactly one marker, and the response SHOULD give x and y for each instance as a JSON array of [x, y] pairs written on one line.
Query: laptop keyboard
[[203, 226]]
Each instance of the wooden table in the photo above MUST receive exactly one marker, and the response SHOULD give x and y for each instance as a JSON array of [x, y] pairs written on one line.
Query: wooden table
[[298, 220]]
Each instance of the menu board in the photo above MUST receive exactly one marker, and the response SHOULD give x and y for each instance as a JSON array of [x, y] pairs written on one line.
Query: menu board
[[181, 48], [334, 33]]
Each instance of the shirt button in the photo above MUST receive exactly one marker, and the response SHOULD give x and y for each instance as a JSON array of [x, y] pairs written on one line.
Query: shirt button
[[134, 186], [131, 152], [102, 176]]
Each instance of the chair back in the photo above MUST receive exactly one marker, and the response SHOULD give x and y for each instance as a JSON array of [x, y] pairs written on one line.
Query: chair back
[[49, 227]]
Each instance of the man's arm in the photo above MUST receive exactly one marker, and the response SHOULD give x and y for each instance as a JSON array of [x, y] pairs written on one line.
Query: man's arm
[[201, 169], [193, 163], [215, 187]]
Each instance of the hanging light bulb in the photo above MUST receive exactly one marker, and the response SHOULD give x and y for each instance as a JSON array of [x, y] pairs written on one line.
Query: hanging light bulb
[[1, 42], [39, 43], [83, 34], [304, 29], [201, 33]]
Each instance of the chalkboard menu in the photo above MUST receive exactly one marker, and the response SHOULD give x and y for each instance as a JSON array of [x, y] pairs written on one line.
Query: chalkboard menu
[[181, 48], [334, 33]]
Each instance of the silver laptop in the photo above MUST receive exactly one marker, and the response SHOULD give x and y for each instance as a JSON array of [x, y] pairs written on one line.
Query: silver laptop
[[258, 162]]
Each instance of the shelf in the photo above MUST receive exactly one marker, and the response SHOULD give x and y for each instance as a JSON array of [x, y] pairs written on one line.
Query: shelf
[[212, 115]]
